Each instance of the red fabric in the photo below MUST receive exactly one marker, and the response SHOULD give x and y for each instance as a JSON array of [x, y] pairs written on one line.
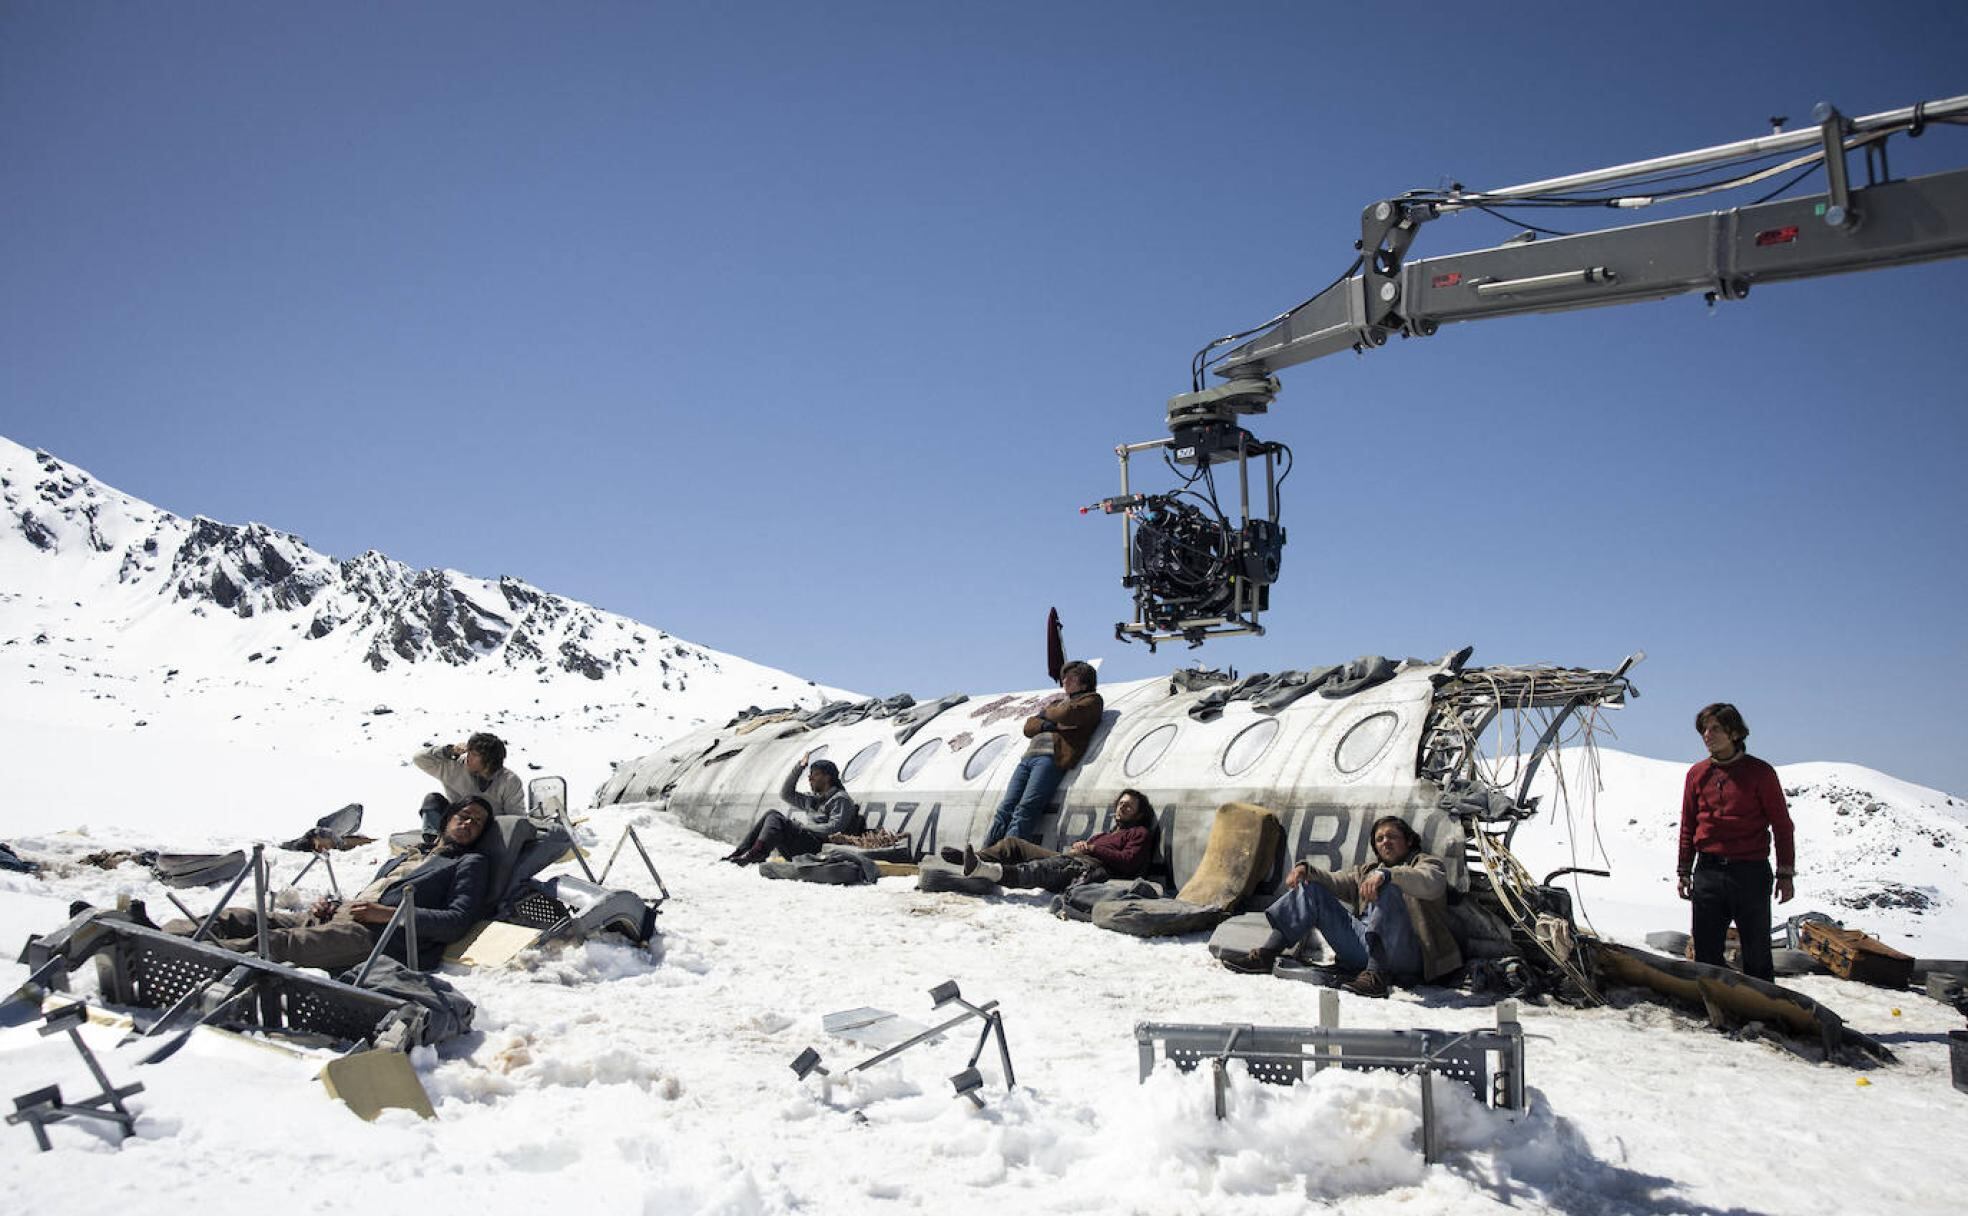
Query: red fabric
[[1734, 810], [1123, 852]]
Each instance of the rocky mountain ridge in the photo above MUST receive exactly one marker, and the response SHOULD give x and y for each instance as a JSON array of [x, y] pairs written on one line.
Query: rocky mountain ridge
[[371, 605]]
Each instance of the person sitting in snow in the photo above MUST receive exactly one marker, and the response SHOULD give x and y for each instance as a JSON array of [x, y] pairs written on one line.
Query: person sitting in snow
[[1060, 733], [1388, 920], [475, 768], [446, 883], [827, 811], [1123, 851]]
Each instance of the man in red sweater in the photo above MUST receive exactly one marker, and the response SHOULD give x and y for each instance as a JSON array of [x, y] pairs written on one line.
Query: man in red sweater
[[1732, 808]]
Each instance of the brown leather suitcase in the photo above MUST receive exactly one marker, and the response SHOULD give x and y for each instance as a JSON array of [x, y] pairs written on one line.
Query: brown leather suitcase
[[1856, 955]]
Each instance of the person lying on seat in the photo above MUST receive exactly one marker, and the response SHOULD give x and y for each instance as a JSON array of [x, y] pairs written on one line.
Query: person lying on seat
[[823, 813], [1387, 920], [446, 882], [1122, 852]]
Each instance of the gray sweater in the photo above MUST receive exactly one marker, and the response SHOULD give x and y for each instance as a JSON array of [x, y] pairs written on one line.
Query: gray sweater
[[502, 789], [834, 814]]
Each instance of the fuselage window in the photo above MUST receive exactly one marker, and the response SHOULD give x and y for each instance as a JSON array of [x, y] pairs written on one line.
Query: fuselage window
[[1250, 743], [1148, 749], [913, 762], [1362, 745], [985, 756], [859, 762]]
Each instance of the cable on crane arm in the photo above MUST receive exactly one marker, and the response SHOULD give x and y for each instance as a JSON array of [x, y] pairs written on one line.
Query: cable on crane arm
[[1199, 365]]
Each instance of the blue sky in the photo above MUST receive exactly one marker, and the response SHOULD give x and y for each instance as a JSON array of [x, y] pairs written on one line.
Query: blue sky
[[802, 330]]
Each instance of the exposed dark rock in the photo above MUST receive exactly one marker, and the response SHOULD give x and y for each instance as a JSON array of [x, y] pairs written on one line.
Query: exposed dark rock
[[36, 532], [1892, 895], [573, 658]]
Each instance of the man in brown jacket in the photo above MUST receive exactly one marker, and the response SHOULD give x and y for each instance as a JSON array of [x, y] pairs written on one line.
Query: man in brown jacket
[[1388, 918], [1059, 732]]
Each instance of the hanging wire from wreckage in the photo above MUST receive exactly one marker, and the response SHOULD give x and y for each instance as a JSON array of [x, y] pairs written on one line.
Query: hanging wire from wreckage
[[1564, 707]]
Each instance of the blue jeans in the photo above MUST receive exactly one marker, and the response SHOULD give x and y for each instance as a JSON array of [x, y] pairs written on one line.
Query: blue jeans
[[1032, 783], [1383, 940]]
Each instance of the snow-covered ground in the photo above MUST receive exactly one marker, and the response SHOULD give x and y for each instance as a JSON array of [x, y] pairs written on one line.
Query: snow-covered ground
[[628, 1081], [621, 1080]]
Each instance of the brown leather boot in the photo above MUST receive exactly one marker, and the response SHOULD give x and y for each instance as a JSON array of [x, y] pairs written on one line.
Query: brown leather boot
[[1256, 961], [1368, 983]]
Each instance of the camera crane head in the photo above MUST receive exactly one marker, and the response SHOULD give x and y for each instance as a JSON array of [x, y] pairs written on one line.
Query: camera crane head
[[1193, 572]]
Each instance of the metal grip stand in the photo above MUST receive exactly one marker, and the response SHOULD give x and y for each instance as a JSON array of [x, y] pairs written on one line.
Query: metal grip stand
[[44, 1106], [629, 835], [966, 1083]]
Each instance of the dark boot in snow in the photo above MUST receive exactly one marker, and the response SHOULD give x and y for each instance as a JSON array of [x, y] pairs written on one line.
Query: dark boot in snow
[[138, 914], [1368, 983], [1258, 961], [969, 861], [952, 854]]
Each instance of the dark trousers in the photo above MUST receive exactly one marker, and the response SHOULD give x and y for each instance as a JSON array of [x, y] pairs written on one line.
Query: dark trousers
[[1737, 891], [332, 945], [775, 831], [1031, 865]]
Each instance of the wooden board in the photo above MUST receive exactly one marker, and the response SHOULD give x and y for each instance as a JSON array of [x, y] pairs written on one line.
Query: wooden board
[[371, 1082], [494, 943]]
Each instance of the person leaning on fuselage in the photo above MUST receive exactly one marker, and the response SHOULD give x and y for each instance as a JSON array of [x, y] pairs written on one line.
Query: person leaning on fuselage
[[1059, 735], [827, 811], [1389, 918], [1732, 809], [1122, 851], [475, 768]]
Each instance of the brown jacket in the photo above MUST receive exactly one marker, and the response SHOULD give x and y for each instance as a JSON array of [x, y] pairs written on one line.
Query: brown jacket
[[1073, 720], [1424, 885]]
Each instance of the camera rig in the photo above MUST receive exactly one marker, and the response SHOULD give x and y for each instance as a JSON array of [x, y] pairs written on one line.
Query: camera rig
[[1193, 573]]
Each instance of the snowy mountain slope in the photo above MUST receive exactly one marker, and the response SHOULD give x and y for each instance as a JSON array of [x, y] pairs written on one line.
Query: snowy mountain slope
[[198, 650]]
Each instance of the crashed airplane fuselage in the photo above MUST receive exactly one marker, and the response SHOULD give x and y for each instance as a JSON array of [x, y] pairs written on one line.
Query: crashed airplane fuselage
[[1328, 750]]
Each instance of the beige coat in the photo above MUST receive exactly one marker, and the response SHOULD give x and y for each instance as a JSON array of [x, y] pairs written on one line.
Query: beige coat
[[1424, 885]]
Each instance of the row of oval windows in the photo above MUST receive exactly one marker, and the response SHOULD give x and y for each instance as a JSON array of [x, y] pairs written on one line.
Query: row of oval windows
[[1358, 748]]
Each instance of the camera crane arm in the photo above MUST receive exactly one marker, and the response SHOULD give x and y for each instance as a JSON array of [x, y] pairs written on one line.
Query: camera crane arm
[[1194, 574], [1720, 253]]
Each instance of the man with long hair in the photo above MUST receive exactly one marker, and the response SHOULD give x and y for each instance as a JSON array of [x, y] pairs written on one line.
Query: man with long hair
[[1732, 810], [1123, 851], [1387, 920]]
